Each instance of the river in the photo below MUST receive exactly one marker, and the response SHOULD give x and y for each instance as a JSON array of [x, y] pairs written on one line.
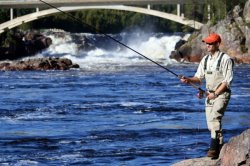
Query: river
[[117, 109]]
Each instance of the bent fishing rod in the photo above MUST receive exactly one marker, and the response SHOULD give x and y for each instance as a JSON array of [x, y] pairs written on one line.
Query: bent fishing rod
[[110, 37]]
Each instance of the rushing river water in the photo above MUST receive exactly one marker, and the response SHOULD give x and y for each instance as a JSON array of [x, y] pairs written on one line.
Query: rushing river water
[[118, 109]]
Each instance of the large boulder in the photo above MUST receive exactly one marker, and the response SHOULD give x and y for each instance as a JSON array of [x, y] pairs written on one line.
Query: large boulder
[[235, 152], [22, 45], [186, 53], [35, 42]]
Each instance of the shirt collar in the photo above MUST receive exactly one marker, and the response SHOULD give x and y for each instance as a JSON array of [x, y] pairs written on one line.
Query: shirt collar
[[215, 55]]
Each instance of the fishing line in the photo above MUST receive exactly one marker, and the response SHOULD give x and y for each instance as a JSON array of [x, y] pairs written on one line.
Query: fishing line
[[110, 37]]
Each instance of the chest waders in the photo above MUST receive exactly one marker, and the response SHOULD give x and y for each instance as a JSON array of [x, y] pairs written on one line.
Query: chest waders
[[215, 108]]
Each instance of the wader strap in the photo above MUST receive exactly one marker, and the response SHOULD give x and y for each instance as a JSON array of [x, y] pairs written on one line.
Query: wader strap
[[205, 63], [219, 61], [232, 62]]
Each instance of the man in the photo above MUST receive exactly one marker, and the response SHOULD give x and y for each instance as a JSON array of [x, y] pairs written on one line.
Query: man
[[216, 69]]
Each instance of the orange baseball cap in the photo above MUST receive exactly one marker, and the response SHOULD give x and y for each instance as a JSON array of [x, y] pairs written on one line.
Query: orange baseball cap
[[212, 38]]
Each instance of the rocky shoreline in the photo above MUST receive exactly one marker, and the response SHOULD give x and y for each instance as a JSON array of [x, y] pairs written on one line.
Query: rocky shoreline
[[234, 31], [235, 152], [38, 64]]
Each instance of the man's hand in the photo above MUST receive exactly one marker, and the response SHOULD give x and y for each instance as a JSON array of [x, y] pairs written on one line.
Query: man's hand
[[184, 79], [211, 95]]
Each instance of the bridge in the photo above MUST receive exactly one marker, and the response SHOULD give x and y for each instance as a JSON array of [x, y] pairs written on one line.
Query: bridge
[[67, 6]]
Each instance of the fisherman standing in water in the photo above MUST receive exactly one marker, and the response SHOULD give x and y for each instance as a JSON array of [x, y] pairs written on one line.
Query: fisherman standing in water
[[216, 69]]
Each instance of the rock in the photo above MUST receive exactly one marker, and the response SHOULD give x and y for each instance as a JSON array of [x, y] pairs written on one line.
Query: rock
[[186, 54], [205, 161], [179, 44], [235, 34], [246, 11], [39, 64], [235, 152], [23, 45], [35, 42]]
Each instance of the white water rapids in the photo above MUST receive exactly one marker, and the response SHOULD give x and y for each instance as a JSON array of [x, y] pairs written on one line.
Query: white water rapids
[[94, 49]]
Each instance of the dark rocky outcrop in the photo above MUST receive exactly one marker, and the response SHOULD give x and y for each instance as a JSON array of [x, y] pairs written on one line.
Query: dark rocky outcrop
[[235, 152], [235, 33], [23, 45], [38, 64]]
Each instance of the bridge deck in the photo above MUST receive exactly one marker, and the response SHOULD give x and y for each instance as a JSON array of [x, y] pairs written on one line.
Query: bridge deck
[[59, 3]]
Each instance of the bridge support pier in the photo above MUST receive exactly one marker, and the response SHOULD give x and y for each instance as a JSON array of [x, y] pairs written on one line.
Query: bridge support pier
[[209, 12], [149, 6], [178, 10], [11, 14], [179, 13]]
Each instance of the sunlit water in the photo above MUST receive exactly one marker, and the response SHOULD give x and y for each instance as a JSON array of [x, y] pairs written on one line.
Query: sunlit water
[[116, 111]]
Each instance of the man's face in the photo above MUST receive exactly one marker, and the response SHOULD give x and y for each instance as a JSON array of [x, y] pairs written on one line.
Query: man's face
[[212, 47]]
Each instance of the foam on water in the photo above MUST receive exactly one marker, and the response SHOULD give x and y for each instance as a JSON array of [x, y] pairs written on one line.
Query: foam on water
[[157, 48], [26, 162]]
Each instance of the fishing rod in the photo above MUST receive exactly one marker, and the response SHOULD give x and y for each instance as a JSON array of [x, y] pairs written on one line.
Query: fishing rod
[[110, 37]]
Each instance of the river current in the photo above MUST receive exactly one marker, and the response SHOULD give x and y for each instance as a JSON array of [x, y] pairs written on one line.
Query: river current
[[117, 109]]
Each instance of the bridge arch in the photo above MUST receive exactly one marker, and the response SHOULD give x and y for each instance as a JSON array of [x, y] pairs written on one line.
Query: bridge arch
[[40, 14]]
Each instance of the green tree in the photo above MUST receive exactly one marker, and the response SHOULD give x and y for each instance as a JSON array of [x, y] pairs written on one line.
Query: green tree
[[4, 15]]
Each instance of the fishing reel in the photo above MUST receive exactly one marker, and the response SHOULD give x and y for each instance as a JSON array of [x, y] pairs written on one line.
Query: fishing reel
[[200, 94]]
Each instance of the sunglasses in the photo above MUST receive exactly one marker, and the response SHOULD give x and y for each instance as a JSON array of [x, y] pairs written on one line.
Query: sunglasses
[[211, 43]]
